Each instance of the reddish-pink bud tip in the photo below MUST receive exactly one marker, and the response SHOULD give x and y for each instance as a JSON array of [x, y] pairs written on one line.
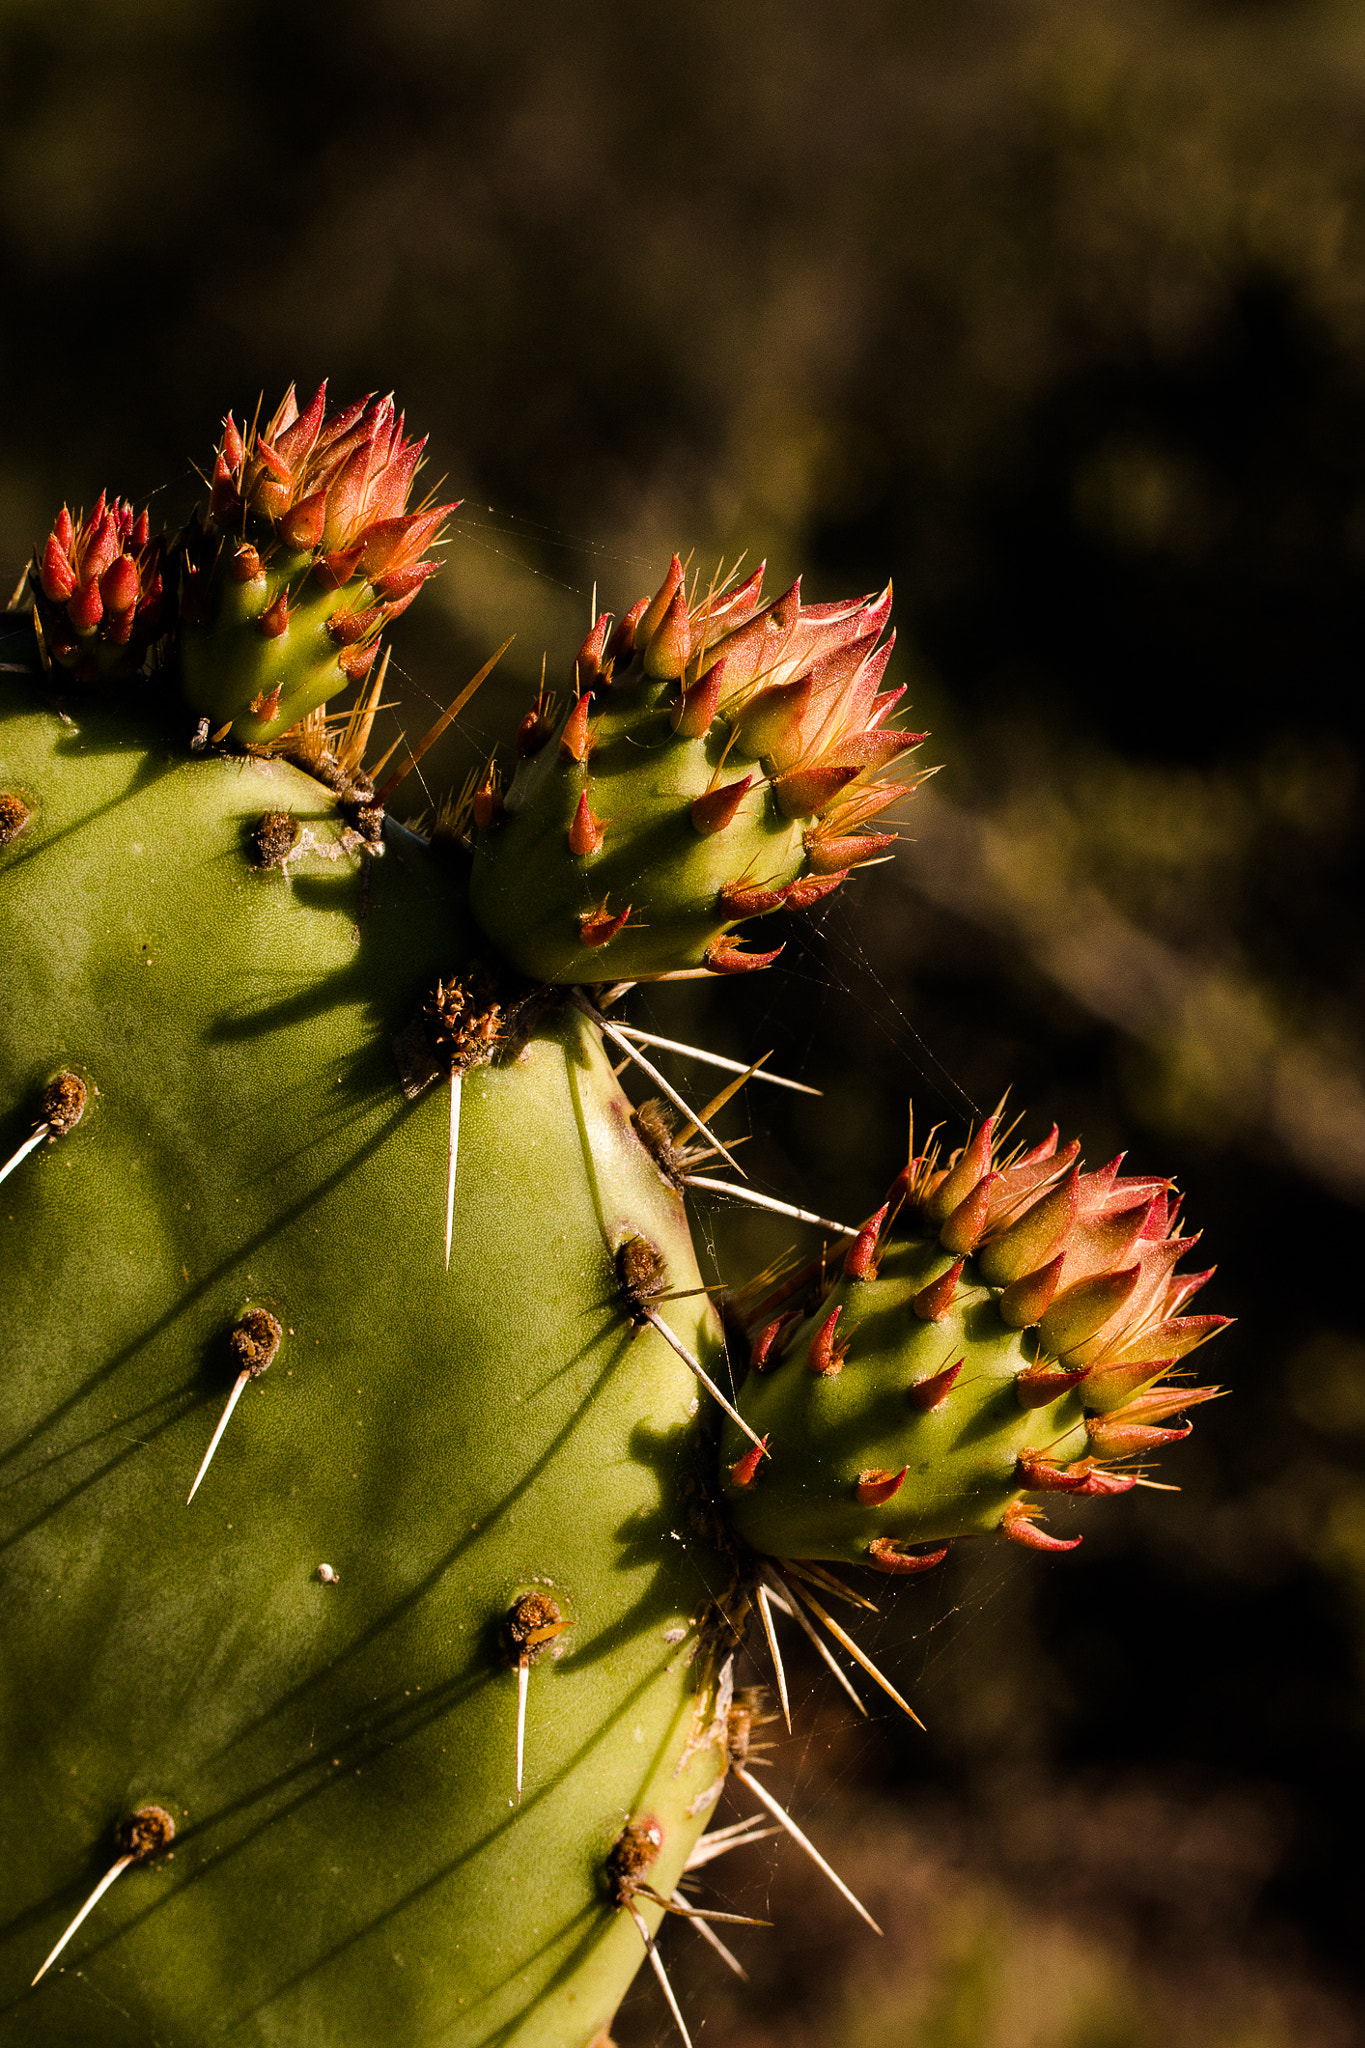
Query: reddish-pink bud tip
[[489, 809], [828, 856], [586, 833], [244, 565], [876, 1486], [698, 706], [718, 808], [746, 899], [743, 1471], [621, 645], [811, 889], [805, 792], [1040, 1475], [55, 573], [723, 956], [302, 525], [885, 1555], [588, 661], [933, 1392], [85, 606], [1096, 1482], [119, 585], [598, 926], [762, 1347], [1020, 1528], [858, 1257], [274, 620], [356, 662], [1025, 1302], [576, 742], [532, 733], [669, 646], [935, 1301], [821, 1356], [1114, 1439], [1043, 1383]]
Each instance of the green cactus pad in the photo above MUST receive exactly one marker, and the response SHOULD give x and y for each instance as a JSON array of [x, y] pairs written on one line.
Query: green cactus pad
[[335, 1746]]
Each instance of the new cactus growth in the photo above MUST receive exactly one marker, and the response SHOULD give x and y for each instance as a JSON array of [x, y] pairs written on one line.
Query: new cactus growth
[[1002, 1327], [306, 553], [717, 761], [324, 1207], [99, 592]]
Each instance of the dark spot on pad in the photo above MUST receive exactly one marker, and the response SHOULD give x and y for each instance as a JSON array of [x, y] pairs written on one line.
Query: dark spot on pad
[[254, 1340], [654, 1123], [14, 815], [64, 1104], [640, 1274], [465, 1022], [633, 1855], [145, 1833], [530, 1626], [274, 837]]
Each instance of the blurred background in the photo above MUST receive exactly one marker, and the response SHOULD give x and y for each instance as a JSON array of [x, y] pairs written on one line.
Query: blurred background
[[1053, 311]]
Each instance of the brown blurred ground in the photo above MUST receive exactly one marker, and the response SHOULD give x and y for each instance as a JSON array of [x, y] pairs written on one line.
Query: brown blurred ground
[[1053, 310]]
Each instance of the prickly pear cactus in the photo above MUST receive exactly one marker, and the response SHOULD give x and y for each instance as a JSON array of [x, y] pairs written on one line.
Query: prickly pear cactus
[[382, 1507], [99, 592]]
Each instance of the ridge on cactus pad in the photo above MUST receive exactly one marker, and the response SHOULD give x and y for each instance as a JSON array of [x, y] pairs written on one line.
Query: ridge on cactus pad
[[1017, 1339], [717, 762]]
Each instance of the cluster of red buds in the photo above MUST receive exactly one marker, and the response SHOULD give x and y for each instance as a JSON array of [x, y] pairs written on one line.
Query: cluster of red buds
[[334, 489], [100, 590], [799, 687]]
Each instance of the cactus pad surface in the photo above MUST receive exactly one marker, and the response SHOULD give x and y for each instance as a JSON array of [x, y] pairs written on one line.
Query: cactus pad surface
[[307, 1668]]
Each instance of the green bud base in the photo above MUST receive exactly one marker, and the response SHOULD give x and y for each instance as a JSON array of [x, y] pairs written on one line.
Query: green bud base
[[530, 892], [825, 1431]]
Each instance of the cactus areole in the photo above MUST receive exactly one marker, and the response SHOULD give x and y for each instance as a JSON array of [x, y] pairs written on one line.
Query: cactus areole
[[383, 1507]]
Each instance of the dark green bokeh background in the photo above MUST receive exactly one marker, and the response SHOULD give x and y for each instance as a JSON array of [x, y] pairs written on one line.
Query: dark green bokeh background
[[1055, 311]]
